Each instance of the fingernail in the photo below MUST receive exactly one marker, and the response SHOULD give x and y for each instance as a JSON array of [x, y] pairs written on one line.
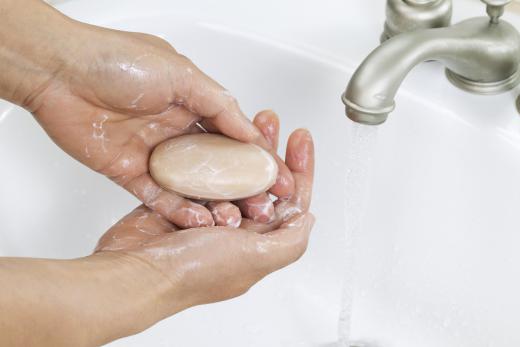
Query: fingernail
[[282, 181], [200, 218], [264, 218], [234, 223]]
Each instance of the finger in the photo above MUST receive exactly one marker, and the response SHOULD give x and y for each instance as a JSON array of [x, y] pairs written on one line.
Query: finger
[[139, 225], [259, 228], [258, 208], [150, 130], [180, 211], [281, 247], [202, 95], [209, 127], [300, 153], [161, 127], [225, 214], [269, 125], [284, 185], [300, 160]]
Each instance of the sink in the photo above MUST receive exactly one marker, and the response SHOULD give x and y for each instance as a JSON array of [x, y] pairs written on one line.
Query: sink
[[436, 259]]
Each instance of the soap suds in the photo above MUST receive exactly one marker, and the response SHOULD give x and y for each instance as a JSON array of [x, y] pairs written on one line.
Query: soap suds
[[194, 217], [133, 68], [98, 132], [135, 103], [265, 245], [153, 125], [87, 153], [260, 210], [150, 194], [125, 163], [234, 223], [285, 210]]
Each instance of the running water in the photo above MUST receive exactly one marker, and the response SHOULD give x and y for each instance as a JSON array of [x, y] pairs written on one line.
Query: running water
[[362, 139]]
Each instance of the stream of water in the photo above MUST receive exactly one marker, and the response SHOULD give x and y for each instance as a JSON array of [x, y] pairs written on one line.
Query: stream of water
[[362, 141]]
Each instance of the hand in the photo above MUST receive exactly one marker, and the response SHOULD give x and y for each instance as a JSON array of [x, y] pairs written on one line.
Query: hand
[[204, 265], [145, 269], [108, 98]]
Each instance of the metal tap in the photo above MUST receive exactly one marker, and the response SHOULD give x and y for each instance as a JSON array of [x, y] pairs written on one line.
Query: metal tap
[[481, 55]]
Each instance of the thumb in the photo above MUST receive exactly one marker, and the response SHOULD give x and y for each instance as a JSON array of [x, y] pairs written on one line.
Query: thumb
[[282, 247], [200, 94]]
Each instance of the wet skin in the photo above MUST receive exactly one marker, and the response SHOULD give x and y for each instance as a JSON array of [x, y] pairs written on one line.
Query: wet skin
[[108, 97], [146, 269], [187, 260]]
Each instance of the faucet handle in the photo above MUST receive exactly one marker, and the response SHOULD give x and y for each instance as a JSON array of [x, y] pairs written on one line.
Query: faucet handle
[[495, 9], [496, 2]]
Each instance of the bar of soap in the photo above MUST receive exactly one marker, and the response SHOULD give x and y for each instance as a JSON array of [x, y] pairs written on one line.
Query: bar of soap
[[212, 167]]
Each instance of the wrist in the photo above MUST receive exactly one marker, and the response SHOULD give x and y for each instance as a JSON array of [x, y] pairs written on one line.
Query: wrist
[[126, 295], [84, 302], [36, 41]]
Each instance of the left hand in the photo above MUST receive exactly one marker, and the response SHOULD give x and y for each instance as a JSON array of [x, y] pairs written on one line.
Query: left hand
[[204, 265]]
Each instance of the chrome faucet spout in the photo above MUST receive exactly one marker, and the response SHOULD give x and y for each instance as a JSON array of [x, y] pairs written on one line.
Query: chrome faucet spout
[[480, 56]]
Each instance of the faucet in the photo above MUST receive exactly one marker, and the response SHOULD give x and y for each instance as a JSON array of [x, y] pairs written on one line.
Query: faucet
[[481, 55]]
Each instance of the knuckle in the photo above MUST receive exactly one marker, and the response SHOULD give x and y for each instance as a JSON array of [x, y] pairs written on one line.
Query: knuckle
[[230, 103], [243, 288], [154, 40], [184, 60]]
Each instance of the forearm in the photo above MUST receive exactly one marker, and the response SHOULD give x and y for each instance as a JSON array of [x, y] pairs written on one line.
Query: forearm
[[83, 302], [34, 41]]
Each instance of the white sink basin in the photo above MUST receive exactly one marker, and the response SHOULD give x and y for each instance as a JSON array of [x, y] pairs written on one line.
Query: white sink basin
[[437, 260]]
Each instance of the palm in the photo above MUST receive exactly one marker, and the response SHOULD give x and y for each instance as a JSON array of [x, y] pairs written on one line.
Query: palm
[[188, 255], [115, 144], [119, 144]]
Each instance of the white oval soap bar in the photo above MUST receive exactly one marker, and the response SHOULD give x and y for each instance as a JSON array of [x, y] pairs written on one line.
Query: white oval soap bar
[[212, 167]]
